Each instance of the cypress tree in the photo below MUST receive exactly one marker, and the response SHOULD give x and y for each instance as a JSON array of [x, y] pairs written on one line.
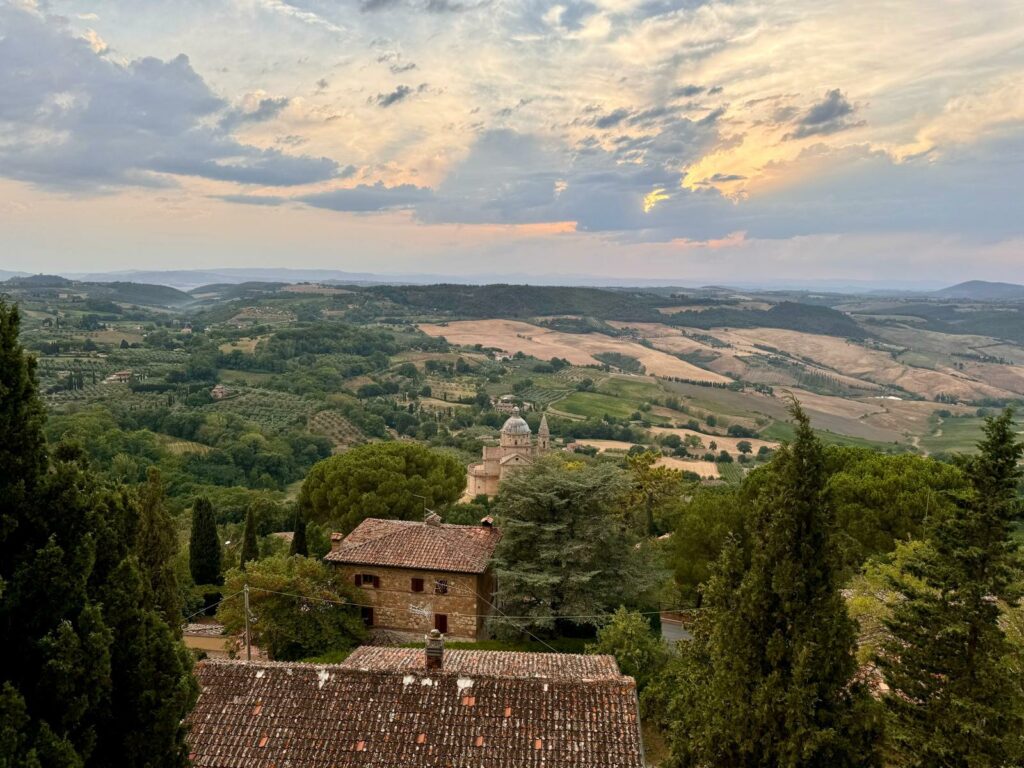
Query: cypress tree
[[770, 677], [250, 549], [62, 542], [953, 701], [23, 448], [152, 683], [204, 546], [299, 546], [157, 547]]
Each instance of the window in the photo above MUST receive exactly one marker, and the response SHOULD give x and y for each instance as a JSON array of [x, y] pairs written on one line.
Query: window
[[441, 587], [367, 580], [441, 622], [417, 585]]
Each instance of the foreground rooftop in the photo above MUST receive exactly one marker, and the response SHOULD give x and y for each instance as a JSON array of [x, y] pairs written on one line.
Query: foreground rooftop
[[384, 708]]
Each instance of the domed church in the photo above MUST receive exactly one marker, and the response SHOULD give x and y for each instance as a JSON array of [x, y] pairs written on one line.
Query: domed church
[[516, 449]]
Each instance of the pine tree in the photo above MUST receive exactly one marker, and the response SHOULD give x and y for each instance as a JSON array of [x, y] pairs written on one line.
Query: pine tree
[[770, 677], [299, 546], [156, 548], [250, 548], [204, 546], [952, 701]]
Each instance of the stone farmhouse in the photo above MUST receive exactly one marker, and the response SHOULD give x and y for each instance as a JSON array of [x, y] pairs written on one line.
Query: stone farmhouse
[[516, 449], [420, 576], [391, 707]]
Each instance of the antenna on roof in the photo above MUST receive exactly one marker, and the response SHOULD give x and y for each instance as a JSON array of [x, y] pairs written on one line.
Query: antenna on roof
[[427, 513]]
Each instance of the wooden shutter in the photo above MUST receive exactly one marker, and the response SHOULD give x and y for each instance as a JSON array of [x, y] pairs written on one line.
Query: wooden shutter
[[359, 579], [417, 585], [441, 622]]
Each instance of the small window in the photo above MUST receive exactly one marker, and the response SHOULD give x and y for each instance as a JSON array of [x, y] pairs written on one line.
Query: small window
[[367, 580], [417, 585], [441, 587]]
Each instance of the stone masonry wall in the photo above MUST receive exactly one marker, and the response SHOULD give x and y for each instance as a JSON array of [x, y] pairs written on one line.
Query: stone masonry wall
[[397, 607]]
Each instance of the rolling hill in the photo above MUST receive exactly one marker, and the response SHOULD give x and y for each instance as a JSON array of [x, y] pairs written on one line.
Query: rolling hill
[[982, 290]]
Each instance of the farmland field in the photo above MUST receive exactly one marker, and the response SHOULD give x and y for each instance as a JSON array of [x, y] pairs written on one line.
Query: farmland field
[[514, 336]]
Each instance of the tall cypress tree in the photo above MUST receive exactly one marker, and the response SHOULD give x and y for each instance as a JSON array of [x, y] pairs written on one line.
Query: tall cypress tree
[[770, 677], [952, 700], [299, 546], [151, 674], [250, 548], [204, 546], [63, 537], [157, 547]]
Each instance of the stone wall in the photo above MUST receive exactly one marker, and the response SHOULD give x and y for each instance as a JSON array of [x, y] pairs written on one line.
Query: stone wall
[[397, 607]]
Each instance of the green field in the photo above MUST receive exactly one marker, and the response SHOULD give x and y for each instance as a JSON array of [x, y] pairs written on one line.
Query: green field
[[952, 435], [783, 432], [595, 405]]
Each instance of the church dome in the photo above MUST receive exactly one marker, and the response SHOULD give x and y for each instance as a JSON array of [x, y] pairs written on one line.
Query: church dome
[[515, 424]]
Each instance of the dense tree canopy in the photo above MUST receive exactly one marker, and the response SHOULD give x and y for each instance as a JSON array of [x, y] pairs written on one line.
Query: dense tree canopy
[[93, 671], [566, 548], [394, 480], [770, 677], [954, 701], [290, 627]]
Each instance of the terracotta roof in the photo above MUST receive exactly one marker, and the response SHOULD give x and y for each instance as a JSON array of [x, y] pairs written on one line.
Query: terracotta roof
[[267, 714], [408, 544], [547, 666]]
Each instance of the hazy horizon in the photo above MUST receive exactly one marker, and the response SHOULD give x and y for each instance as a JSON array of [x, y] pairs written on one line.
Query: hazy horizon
[[682, 141]]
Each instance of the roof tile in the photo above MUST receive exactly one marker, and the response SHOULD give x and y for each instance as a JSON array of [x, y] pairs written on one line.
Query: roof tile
[[410, 544]]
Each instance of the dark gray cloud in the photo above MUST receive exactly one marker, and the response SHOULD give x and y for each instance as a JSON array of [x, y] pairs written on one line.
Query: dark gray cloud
[[401, 93], [687, 91], [364, 198], [265, 110], [832, 114], [367, 198], [720, 177], [397, 69], [74, 119], [611, 119]]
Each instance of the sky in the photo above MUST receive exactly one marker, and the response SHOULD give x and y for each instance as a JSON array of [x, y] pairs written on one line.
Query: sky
[[693, 141]]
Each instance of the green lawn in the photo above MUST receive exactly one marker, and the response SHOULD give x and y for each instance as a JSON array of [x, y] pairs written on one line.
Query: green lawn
[[595, 405]]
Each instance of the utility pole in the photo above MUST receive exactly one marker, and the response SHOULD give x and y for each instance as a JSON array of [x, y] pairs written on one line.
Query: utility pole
[[248, 641]]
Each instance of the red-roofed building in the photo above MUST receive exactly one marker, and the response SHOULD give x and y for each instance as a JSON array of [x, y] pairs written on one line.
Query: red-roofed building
[[420, 576], [397, 707]]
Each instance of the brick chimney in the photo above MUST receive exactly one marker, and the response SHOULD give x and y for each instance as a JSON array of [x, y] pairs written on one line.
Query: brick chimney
[[336, 539], [434, 652]]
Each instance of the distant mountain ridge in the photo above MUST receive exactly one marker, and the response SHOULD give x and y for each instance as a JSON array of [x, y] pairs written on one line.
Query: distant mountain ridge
[[982, 290]]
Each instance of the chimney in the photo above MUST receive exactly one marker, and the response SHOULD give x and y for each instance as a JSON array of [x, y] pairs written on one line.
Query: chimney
[[432, 519], [434, 652], [336, 539]]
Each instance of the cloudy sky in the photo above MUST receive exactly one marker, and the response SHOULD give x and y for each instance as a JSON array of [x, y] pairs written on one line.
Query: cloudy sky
[[691, 140]]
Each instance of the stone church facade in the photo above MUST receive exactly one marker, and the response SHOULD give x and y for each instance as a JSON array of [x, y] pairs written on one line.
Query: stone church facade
[[516, 449]]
